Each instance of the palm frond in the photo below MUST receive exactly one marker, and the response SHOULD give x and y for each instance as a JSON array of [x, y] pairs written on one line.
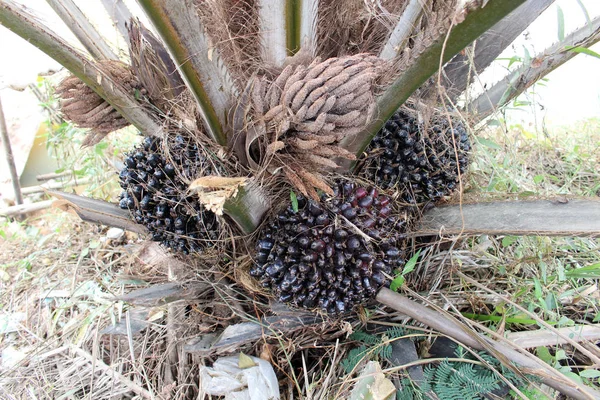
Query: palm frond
[[24, 24], [519, 80], [309, 14], [272, 22], [119, 14], [200, 65], [460, 71], [83, 30], [445, 35], [404, 28]]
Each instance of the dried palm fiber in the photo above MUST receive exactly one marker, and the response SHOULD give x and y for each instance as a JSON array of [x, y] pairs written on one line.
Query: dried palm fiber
[[233, 27], [153, 66], [355, 26], [86, 109]]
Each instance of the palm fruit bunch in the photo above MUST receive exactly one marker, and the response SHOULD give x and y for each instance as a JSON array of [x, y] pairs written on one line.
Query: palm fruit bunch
[[155, 191], [332, 254], [419, 159]]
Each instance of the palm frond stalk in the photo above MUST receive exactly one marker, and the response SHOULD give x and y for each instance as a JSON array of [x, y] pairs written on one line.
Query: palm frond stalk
[[541, 64], [438, 45], [273, 33], [83, 30], [200, 65], [93, 74], [461, 70], [119, 14]]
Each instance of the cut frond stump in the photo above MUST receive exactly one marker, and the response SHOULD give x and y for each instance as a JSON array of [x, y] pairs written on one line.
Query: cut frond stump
[[307, 110], [86, 109]]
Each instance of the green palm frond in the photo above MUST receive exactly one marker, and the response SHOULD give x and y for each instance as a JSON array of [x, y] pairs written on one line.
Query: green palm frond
[[200, 65]]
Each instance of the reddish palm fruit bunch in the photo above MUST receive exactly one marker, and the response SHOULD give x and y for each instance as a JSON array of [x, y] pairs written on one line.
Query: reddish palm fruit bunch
[[155, 191], [421, 162], [333, 254]]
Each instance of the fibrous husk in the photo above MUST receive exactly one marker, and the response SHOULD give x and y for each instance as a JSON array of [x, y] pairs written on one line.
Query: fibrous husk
[[153, 66], [307, 110], [86, 109]]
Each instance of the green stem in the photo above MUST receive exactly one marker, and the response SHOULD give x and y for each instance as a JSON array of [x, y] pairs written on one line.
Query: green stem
[[292, 25]]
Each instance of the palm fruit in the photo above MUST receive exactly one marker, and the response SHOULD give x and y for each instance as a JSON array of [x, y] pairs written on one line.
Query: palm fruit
[[155, 191], [333, 254], [420, 160]]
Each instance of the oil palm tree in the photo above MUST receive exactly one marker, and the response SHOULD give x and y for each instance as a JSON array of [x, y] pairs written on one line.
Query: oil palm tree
[[276, 95]]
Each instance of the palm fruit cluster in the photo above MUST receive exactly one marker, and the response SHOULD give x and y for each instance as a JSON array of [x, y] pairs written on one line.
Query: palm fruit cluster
[[155, 191], [420, 160], [333, 254]]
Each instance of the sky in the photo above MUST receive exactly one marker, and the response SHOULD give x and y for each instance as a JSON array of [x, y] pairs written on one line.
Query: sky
[[572, 91]]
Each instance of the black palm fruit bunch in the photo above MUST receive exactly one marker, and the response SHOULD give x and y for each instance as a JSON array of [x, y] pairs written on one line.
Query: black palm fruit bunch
[[333, 254], [419, 159], [155, 186]]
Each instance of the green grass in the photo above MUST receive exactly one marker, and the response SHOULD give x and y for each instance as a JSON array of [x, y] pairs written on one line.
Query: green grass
[[518, 161]]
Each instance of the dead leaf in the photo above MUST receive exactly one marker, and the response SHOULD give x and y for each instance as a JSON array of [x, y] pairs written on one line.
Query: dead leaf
[[213, 191], [245, 361], [372, 384]]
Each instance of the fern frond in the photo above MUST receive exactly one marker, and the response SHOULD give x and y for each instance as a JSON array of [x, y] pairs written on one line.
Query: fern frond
[[354, 357], [395, 332], [365, 338]]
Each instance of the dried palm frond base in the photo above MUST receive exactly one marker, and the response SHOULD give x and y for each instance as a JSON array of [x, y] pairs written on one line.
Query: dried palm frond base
[[307, 110], [86, 109]]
